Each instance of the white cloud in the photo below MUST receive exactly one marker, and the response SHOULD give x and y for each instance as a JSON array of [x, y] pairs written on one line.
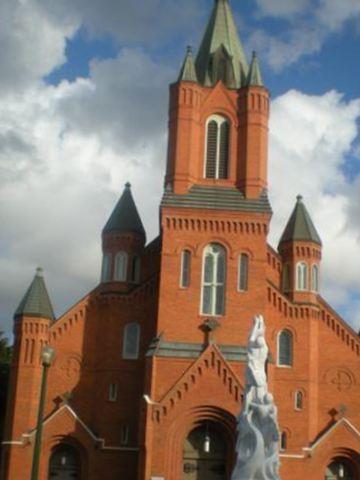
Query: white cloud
[[310, 139], [130, 21], [63, 170], [282, 8], [32, 43], [309, 26]]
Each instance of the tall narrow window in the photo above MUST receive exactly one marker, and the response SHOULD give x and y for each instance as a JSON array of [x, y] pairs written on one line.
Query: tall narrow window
[[213, 284], [243, 272], [301, 276], [315, 278], [299, 400], [285, 349], [121, 266], [283, 441], [185, 269], [125, 434], [113, 392], [286, 278], [135, 270], [217, 148], [131, 341], [106, 268]]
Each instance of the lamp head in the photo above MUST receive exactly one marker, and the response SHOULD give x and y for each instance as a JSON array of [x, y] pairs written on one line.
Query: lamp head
[[47, 356]]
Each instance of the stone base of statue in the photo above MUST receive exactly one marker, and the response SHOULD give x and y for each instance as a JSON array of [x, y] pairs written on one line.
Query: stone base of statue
[[257, 445]]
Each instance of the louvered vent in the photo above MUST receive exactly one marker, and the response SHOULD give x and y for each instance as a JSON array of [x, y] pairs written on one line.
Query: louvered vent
[[211, 154], [224, 150]]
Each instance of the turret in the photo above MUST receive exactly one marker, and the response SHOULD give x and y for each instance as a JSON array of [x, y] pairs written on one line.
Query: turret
[[300, 248], [32, 320], [123, 241], [254, 112]]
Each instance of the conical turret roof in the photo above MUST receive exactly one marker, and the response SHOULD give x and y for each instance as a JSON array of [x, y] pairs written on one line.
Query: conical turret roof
[[125, 218], [255, 77], [188, 72], [36, 302], [221, 32], [300, 226]]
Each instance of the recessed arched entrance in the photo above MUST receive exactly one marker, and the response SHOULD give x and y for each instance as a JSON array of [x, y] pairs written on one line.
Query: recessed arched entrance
[[65, 464], [341, 469], [205, 454]]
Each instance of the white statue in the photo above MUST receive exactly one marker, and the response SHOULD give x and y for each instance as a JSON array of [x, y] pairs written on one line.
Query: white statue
[[257, 445]]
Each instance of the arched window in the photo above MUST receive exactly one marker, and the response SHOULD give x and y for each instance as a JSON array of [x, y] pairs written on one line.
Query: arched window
[[121, 266], [213, 281], [301, 276], [106, 268], [285, 349], [315, 278], [185, 269], [217, 147], [243, 278], [135, 269], [131, 341], [299, 400], [283, 441], [65, 463], [286, 278]]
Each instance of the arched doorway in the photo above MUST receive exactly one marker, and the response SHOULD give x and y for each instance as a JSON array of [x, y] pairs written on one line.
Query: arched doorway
[[340, 469], [64, 464], [205, 454]]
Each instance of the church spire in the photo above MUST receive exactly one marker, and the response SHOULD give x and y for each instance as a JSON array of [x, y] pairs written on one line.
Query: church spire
[[36, 302], [125, 217], [188, 72], [221, 55], [255, 77], [300, 227]]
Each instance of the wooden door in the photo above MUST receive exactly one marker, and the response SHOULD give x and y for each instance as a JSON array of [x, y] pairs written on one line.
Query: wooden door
[[201, 465]]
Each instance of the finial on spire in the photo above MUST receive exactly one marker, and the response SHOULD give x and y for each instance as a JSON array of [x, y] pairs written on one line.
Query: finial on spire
[[299, 198], [254, 77], [128, 185], [39, 272], [187, 72]]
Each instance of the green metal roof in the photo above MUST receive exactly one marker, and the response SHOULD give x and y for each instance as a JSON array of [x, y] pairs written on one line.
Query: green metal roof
[[254, 77], [221, 33], [36, 302], [125, 218], [188, 72], [300, 226]]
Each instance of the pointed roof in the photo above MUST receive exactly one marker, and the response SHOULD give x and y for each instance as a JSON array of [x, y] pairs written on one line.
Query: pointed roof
[[36, 302], [188, 72], [220, 32], [300, 226], [255, 77], [125, 218]]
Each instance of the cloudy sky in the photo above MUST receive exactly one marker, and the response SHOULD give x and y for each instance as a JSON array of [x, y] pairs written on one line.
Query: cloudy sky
[[83, 109]]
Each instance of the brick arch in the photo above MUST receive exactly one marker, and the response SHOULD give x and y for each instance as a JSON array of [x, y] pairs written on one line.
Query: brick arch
[[186, 422], [57, 441], [220, 241], [276, 331], [348, 454]]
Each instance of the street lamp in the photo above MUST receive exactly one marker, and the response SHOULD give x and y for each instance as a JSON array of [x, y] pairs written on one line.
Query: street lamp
[[47, 357]]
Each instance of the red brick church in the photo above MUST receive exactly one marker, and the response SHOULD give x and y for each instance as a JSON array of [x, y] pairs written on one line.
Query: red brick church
[[149, 370]]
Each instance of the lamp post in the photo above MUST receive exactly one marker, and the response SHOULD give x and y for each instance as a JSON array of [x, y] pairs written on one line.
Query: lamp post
[[47, 356]]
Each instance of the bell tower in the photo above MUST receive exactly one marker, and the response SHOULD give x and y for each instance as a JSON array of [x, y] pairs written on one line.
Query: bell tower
[[215, 211], [219, 112]]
